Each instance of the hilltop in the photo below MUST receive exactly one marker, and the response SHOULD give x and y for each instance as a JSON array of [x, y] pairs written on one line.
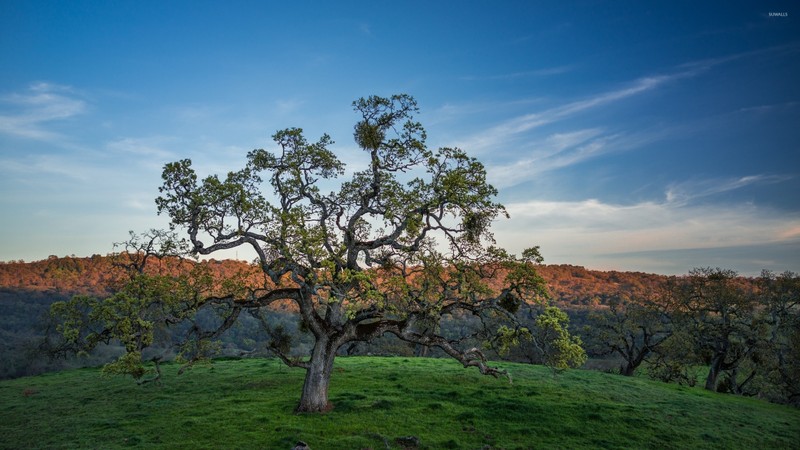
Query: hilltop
[[248, 404]]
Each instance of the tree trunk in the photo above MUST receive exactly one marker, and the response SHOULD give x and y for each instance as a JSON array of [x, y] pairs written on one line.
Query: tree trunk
[[714, 371], [632, 362], [318, 375], [628, 369]]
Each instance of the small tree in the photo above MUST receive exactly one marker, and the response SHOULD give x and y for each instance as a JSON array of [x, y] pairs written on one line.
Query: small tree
[[400, 244], [558, 349], [129, 315], [778, 358], [632, 327], [152, 290], [718, 311]]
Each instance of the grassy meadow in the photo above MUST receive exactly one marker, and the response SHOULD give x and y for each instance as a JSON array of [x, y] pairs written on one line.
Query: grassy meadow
[[249, 403]]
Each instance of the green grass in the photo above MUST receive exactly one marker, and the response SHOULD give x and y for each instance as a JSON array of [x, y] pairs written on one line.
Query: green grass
[[249, 404]]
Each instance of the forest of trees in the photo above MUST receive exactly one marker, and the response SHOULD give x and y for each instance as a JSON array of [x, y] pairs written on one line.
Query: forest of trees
[[729, 333], [710, 327]]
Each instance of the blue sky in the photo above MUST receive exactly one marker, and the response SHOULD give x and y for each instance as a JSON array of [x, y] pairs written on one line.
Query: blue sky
[[646, 136]]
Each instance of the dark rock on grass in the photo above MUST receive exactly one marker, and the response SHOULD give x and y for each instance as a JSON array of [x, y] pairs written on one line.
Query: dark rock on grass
[[408, 441]]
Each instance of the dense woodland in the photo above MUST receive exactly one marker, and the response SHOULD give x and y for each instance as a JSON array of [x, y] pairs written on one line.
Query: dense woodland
[[710, 327]]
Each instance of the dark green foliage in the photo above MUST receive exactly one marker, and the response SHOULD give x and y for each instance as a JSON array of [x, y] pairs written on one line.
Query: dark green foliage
[[631, 328], [741, 332], [23, 322]]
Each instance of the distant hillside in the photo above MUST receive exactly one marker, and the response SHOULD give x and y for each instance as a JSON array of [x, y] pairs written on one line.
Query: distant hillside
[[570, 286], [93, 275], [27, 289], [575, 286]]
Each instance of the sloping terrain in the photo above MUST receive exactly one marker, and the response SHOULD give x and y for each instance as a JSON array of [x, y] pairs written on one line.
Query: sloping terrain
[[377, 401]]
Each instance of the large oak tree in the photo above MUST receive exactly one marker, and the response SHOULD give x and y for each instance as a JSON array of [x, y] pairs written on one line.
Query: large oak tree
[[392, 249]]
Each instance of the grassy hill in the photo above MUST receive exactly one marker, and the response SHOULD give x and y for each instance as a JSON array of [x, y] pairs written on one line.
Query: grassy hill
[[248, 404]]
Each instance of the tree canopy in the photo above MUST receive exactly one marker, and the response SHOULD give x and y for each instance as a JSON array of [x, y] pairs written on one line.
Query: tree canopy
[[392, 248]]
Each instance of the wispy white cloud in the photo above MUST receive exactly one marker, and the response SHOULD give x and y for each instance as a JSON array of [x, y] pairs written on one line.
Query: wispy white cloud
[[465, 110], [111, 163], [766, 109], [143, 147], [780, 51], [544, 72], [512, 129], [36, 170], [565, 149], [590, 230], [139, 201], [688, 191], [288, 105], [516, 126], [557, 150], [572, 231], [28, 114]]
